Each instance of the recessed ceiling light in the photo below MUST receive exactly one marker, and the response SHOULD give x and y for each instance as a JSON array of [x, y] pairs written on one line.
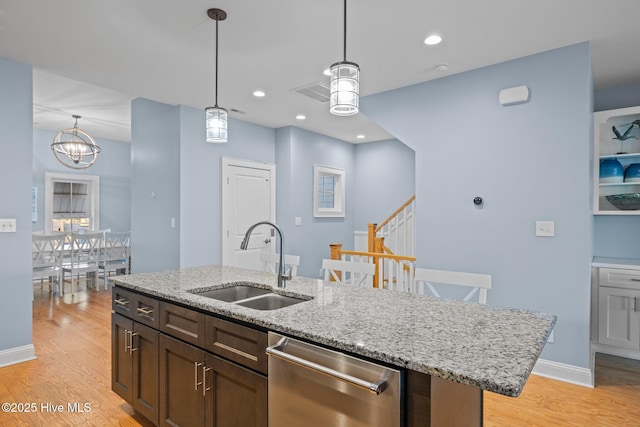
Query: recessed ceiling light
[[301, 117], [327, 72], [259, 93], [433, 39], [360, 136]]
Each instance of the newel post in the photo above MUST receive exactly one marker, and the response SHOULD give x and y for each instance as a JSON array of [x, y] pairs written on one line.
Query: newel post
[[371, 237], [336, 248]]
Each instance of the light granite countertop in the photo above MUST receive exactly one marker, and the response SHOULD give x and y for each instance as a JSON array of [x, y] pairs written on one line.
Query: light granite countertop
[[494, 349]]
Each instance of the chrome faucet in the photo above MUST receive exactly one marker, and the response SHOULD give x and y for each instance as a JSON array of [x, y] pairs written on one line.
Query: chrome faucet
[[282, 278]]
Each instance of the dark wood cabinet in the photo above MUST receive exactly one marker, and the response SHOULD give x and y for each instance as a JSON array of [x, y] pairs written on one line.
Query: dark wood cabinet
[[181, 367], [181, 383], [237, 343], [200, 389], [238, 396], [134, 365]]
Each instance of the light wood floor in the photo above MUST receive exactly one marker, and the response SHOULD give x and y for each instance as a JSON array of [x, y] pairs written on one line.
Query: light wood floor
[[72, 340]]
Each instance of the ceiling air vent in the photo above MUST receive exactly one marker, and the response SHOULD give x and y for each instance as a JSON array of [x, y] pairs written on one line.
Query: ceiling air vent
[[318, 91]]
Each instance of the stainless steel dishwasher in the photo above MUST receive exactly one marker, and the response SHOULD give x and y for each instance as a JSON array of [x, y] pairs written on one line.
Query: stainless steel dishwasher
[[315, 387]]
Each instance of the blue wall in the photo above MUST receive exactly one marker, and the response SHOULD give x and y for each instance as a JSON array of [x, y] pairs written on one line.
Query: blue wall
[[384, 180], [617, 97], [155, 186], [529, 162], [615, 235], [16, 128], [113, 167], [200, 181], [297, 151]]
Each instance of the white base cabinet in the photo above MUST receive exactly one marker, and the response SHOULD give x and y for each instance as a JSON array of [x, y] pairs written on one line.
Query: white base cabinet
[[618, 312]]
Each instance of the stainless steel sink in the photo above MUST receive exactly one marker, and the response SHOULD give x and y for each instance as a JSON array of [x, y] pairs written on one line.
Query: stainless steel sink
[[270, 301], [233, 293]]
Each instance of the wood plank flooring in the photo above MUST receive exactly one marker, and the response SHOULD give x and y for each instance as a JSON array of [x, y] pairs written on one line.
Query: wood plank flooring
[[72, 339]]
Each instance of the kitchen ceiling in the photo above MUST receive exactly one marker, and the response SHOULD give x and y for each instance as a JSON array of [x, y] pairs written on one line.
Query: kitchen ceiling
[[92, 57]]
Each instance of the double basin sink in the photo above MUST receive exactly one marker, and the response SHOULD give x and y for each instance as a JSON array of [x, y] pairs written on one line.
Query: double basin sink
[[251, 297]]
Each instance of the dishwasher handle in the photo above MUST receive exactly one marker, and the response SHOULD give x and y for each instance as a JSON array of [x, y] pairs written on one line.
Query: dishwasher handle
[[376, 387]]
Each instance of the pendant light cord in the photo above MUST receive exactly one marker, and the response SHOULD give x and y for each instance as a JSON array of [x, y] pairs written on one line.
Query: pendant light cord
[[345, 30], [217, 63]]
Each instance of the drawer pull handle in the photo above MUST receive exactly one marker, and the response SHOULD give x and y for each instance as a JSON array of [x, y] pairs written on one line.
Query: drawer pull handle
[[131, 348], [146, 311], [636, 305], [121, 301], [635, 280], [196, 383], [205, 389], [127, 346]]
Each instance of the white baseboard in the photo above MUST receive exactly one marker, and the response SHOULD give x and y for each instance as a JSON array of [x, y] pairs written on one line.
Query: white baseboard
[[17, 355], [563, 372]]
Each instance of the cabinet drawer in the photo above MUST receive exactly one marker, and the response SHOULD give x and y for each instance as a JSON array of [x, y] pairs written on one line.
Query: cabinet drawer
[[182, 323], [238, 343], [146, 311], [123, 301], [619, 278]]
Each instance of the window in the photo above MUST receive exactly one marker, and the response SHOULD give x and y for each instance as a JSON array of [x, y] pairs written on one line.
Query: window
[[71, 202], [328, 192]]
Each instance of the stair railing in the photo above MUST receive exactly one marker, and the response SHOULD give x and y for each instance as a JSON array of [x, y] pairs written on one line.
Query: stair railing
[[391, 271]]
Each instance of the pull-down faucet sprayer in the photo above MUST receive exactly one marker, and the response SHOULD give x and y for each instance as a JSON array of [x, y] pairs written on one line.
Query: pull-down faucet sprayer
[[282, 278]]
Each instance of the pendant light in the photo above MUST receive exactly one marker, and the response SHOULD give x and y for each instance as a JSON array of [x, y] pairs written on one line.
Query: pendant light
[[75, 148], [345, 85], [216, 117]]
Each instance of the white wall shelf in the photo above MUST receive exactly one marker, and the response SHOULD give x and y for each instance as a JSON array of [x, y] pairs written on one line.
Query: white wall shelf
[[606, 147]]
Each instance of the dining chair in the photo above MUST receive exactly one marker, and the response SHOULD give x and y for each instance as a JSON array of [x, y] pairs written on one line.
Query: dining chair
[[479, 283], [47, 258], [348, 272], [116, 253], [84, 252], [272, 259]]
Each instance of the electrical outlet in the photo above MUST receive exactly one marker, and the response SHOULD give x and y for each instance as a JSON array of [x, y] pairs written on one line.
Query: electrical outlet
[[7, 225]]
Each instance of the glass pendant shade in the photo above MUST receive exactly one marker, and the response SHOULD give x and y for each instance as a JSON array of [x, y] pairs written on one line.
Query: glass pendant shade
[[345, 89], [216, 123], [75, 148]]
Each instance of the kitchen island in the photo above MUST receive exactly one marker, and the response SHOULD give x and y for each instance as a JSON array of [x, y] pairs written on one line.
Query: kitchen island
[[491, 349]]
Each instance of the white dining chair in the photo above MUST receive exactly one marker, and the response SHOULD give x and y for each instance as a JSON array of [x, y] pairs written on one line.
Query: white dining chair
[[47, 258], [116, 253], [348, 272], [272, 259], [479, 283], [85, 250]]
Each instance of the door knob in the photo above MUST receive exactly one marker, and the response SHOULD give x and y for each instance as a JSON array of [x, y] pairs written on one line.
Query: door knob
[[267, 241]]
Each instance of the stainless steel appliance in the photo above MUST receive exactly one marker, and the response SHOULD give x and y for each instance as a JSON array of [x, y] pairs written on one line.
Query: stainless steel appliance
[[315, 387]]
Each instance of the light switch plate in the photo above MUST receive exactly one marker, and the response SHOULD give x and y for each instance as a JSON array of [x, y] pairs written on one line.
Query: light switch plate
[[298, 220], [545, 228], [7, 225]]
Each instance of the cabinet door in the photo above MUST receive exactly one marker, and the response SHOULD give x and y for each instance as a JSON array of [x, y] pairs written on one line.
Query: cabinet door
[[181, 397], [238, 395], [121, 366], [619, 317], [144, 349]]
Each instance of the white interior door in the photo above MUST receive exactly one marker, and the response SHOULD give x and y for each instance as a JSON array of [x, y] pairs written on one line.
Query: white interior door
[[248, 197]]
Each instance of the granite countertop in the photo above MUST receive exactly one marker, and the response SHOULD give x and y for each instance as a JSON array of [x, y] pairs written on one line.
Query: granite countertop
[[494, 349]]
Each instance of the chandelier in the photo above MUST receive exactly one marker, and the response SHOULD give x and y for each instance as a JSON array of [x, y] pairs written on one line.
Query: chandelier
[[75, 148]]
